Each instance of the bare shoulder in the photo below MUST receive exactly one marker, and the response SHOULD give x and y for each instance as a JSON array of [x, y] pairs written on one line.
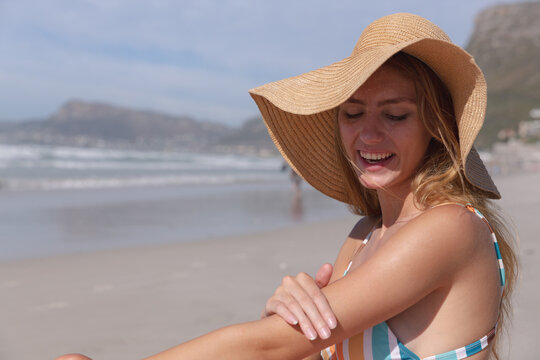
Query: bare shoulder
[[455, 230], [438, 245], [455, 219]]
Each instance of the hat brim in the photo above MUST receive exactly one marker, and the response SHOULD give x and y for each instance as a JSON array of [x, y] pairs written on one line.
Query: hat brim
[[300, 112]]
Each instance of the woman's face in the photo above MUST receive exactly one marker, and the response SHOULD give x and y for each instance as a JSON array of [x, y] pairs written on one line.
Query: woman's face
[[381, 131]]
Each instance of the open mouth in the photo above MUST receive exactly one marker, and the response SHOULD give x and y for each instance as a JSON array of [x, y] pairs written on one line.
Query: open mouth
[[375, 158]]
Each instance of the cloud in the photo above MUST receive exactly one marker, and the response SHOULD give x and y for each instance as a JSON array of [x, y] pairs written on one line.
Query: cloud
[[197, 57], [174, 89]]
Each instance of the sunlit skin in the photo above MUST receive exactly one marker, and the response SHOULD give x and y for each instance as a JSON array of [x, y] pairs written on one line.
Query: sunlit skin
[[379, 120]]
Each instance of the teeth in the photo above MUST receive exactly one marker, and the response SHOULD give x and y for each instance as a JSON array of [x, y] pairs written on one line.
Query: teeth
[[375, 156]]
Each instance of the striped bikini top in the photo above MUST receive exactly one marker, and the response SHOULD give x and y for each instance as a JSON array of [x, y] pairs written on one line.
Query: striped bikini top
[[380, 343]]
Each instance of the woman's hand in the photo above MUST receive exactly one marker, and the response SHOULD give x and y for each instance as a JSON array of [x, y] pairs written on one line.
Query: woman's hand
[[300, 301]]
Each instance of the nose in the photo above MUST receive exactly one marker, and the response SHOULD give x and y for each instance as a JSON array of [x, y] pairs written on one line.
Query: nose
[[371, 131]]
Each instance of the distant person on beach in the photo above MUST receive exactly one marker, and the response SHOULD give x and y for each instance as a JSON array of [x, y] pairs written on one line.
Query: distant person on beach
[[297, 209], [296, 180], [428, 270]]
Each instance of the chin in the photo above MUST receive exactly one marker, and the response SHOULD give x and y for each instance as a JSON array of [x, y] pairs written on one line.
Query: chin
[[368, 184]]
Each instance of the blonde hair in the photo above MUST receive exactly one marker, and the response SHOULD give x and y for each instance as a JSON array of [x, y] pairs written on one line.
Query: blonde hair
[[440, 177]]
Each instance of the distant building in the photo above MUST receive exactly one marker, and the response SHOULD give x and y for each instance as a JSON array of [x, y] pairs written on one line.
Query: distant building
[[506, 134], [535, 113], [529, 129]]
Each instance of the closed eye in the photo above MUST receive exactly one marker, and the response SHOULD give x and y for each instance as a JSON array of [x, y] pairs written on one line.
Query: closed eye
[[397, 117], [354, 115]]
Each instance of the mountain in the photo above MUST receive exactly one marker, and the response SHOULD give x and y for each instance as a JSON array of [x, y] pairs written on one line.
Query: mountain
[[252, 134], [506, 45], [79, 123]]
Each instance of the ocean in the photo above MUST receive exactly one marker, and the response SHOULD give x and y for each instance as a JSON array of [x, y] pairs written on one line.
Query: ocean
[[61, 200], [50, 168]]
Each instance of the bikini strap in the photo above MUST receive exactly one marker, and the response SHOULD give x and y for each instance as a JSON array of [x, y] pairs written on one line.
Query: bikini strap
[[361, 246], [475, 211], [495, 243]]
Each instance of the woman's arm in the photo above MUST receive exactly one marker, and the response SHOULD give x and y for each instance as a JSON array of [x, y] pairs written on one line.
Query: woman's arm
[[423, 256], [252, 340], [299, 299]]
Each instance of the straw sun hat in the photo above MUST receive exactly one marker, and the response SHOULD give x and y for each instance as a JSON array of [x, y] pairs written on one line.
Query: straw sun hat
[[300, 112]]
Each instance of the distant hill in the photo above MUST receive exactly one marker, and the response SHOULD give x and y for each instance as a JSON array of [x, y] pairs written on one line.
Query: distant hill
[[506, 45], [252, 134], [79, 123]]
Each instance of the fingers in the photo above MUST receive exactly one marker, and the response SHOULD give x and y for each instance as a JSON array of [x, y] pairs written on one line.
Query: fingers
[[323, 275], [316, 305], [300, 301], [323, 279], [303, 298], [274, 306], [292, 303]]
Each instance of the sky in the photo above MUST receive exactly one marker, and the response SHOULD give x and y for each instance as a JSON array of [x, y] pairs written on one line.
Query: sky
[[186, 57]]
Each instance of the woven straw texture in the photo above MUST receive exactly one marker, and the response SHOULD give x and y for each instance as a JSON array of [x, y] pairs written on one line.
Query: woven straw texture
[[300, 112]]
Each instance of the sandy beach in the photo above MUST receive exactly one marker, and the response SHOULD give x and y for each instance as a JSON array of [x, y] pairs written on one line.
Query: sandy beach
[[133, 302]]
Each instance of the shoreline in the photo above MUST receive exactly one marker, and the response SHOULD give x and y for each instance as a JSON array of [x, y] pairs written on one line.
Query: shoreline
[[48, 223]]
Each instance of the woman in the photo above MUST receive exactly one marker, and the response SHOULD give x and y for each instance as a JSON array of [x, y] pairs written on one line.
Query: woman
[[388, 130]]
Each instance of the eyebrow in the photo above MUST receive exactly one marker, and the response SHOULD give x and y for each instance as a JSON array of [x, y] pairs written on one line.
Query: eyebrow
[[384, 102]]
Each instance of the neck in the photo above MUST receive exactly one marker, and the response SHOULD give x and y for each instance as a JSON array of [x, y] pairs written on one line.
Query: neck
[[396, 207]]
